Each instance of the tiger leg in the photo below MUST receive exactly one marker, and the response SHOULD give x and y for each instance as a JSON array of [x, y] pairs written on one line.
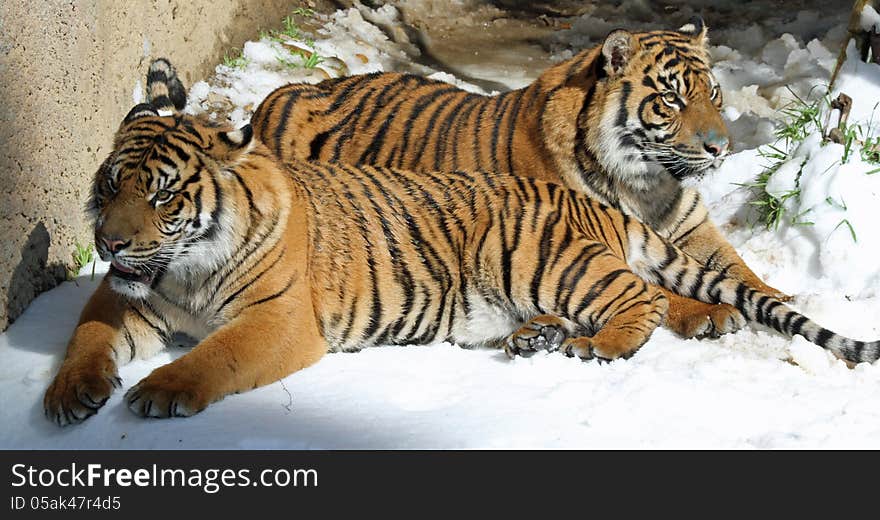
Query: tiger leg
[[694, 232], [707, 245], [594, 291], [691, 318], [625, 331], [261, 345], [111, 332]]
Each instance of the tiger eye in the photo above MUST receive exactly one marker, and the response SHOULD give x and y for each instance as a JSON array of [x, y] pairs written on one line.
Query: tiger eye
[[163, 195], [670, 97]]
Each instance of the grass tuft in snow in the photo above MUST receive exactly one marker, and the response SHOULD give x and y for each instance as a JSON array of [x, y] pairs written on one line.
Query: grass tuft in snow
[[311, 60], [290, 33], [307, 60], [290, 29], [801, 118], [235, 59], [82, 255], [852, 232], [771, 208], [303, 11], [859, 136]]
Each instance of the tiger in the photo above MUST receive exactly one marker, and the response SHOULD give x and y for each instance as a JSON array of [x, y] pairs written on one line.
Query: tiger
[[624, 122], [270, 264]]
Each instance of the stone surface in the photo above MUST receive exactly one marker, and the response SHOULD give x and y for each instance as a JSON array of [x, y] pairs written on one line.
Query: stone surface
[[68, 73]]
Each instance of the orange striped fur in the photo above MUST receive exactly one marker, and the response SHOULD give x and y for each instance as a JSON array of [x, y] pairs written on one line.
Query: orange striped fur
[[623, 122], [270, 264]]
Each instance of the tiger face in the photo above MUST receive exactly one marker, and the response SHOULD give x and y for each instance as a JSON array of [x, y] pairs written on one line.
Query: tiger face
[[156, 201], [661, 109]]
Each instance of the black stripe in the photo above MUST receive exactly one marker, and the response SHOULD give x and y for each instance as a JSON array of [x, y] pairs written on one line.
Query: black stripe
[[465, 117], [129, 341], [620, 295], [283, 120], [419, 104], [316, 145], [161, 333], [772, 319], [543, 254], [476, 146], [501, 105], [798, 325], [598, 288], [443, 134], [623, 111], [823, 337], [249, 283], [273, 295], [567, 280], [429, 127]]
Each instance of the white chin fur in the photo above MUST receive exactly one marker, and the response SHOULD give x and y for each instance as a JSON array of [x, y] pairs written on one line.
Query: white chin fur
[[129, 288]]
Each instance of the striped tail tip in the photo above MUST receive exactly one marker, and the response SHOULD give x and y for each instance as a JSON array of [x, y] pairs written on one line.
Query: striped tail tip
[[851, 350], [862, 351], [164, 88]]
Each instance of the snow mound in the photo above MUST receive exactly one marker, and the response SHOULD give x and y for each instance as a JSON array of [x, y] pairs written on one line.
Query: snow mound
[[870, 20], [826, 240], [348, 42]]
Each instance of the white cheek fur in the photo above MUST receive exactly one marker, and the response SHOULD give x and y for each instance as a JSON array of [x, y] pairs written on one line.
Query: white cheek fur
[[619, 160]]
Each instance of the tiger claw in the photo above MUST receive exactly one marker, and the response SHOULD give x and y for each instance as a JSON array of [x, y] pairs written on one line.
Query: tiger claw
[[79, 391], [541, 333]]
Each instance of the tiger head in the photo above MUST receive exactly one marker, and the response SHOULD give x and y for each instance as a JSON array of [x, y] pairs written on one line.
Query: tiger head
[[658, 106], [156, 200]]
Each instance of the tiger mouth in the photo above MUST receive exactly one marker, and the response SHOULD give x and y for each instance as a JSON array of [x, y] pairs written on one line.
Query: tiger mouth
[[684, 169], [129, 273]]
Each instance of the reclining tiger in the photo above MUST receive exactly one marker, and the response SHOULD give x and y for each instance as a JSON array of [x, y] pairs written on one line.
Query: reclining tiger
[[271, 264], [624, 122]]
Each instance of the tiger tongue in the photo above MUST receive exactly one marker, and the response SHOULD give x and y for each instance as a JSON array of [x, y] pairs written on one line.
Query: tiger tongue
[[122, 268], [131, 274]]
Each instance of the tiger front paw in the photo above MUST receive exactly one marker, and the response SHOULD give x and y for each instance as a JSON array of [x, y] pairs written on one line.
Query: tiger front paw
[[701, 320], [542, 332], [581, 347], [79, 390], [167, 392]]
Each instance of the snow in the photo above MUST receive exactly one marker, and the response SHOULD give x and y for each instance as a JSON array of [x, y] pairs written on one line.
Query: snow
[[870, 20], [751, 389], [347, 44], [837, 200]]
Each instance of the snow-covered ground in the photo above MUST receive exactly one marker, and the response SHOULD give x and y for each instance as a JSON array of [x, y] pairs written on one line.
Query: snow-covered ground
[[752, 389]]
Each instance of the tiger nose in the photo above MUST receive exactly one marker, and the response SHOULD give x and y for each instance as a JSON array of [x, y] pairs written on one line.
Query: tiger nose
[[717, 146], [114, 244]]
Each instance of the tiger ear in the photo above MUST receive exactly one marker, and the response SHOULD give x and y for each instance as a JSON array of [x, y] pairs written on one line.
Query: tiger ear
[[140, 110], [696, 28], [618, 49], [233, 143]]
